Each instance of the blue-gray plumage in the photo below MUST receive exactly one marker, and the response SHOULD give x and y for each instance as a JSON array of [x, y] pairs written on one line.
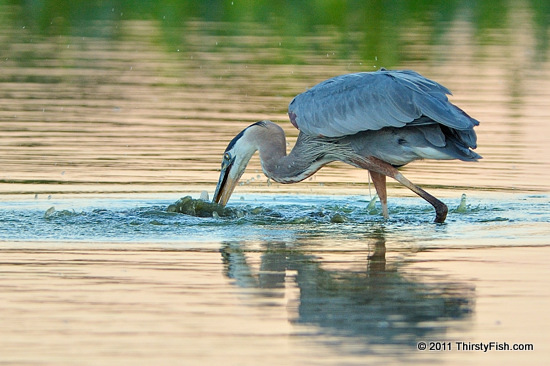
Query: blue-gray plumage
[[372, 120]]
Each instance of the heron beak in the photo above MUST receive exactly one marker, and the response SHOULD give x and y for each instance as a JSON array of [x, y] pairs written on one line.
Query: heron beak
[[225, 186]]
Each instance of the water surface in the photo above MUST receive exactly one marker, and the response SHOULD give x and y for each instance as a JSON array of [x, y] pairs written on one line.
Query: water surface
[[488, 220]]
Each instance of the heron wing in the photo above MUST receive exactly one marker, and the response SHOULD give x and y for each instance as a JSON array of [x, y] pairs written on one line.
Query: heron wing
[[347, 104]]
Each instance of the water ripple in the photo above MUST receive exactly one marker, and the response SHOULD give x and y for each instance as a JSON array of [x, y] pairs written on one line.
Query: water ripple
[[510, 220]]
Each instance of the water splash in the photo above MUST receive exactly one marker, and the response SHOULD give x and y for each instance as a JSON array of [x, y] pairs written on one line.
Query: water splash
[[509, 220]]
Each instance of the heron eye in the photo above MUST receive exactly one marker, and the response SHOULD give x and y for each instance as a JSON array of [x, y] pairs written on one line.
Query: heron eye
[[227, 156]]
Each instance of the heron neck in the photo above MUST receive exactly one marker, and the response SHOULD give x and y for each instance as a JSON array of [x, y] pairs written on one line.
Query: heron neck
[[304, 160]]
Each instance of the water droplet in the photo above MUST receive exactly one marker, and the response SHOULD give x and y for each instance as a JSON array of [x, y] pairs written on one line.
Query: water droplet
[[372, 202], [49, 212], [462, 206]]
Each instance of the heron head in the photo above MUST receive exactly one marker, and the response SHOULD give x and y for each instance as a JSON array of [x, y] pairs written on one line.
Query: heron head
[[235, 159]]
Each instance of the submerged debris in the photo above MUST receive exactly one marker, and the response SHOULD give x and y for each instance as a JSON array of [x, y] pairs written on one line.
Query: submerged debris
[[338, 218], [201, 208]]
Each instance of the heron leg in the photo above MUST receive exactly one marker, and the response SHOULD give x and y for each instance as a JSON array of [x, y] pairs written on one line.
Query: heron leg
[[379, 181], [381, 167], [440, 208]]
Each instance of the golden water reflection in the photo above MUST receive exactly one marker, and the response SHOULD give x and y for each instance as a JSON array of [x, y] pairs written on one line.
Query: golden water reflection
[[125, 304], [84, 114]]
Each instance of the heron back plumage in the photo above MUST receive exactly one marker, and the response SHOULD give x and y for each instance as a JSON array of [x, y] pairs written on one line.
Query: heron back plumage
[[348, 104]]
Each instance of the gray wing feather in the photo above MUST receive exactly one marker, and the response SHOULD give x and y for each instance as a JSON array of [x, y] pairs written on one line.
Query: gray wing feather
[[348, 104]]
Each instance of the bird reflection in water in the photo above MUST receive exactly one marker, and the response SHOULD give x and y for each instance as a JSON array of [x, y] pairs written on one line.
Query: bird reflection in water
[[382, 304]]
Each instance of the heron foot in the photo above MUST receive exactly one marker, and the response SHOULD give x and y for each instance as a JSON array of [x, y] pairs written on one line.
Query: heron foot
[[379, 169], [441, 213], [385, 210], [379, 181]]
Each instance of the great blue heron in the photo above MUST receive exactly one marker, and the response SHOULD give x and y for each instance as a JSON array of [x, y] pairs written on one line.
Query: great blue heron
[[377, 121]]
